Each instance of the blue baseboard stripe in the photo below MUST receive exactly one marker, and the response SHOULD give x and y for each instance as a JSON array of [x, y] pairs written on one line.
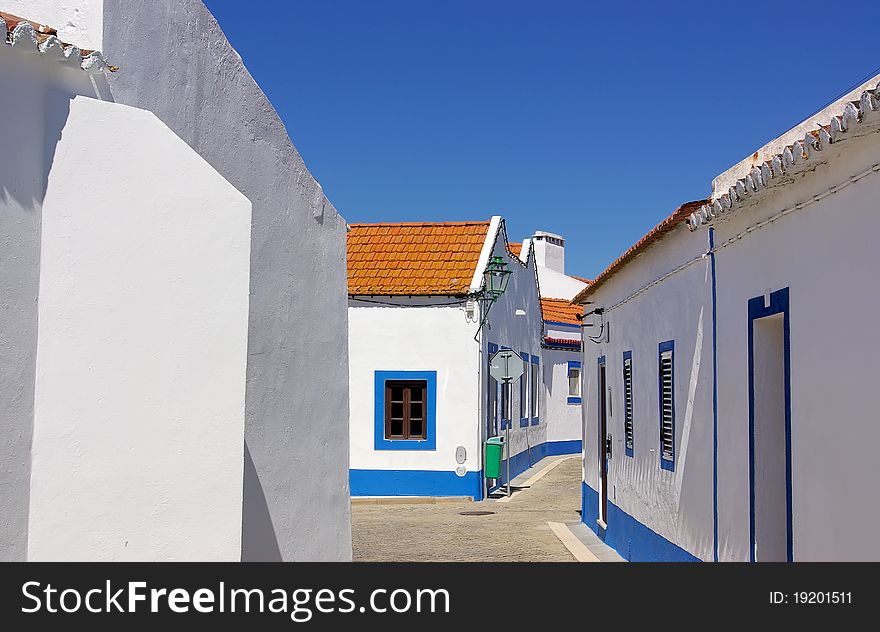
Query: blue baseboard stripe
[[522, 461], [414, 483], [447, 483], [629, 537]]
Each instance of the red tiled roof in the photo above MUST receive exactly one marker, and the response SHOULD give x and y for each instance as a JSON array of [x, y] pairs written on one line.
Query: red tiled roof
[[515, 248], [680, 216], [561, 311], [415, 258]]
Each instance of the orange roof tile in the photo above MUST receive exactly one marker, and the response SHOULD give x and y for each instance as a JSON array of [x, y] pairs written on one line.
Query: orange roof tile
[[414, 258], [515, 248], [561, 311], [678, 218]]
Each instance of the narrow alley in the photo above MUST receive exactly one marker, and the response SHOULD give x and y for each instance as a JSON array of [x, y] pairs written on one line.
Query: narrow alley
[[518, 529]]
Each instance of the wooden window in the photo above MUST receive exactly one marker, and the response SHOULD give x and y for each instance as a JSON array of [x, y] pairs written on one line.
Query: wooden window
[[524, 388], [667, 405], [628, 403], [405, 409]]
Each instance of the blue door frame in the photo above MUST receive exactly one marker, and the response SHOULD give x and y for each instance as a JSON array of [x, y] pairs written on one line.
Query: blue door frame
[[779, 304]]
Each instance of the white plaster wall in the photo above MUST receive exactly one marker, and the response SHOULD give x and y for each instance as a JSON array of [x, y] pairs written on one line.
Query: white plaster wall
[[415, 339], [79, 22], [34, 109], [558, 285], [139, 399], [520, 333], [176, 62], [827, 255], [563, 419], [677, 505]]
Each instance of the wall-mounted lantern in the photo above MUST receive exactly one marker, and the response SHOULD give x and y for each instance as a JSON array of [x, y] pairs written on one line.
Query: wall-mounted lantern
[[496, 277]]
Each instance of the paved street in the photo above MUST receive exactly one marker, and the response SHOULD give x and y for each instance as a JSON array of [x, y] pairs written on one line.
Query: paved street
[[518, 531]]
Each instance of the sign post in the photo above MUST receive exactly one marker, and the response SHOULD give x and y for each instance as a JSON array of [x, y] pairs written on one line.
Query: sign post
[[506, 366]]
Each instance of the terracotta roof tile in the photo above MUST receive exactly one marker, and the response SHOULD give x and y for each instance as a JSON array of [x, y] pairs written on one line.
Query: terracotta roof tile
[[679, 217], [561, 311], [515, 248], [414, 258]]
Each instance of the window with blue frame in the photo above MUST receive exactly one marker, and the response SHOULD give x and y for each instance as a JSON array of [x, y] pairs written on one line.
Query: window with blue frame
[[405, 416], [493, 392], [574, 382], [629, 441], [533, 397], [524, 391], [666, 371]]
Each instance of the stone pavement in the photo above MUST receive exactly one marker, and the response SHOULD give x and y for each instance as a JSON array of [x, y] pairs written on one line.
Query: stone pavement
[[516, 532]]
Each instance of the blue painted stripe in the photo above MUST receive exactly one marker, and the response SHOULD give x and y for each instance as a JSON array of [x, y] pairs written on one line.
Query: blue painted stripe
[[714, 397], [556, 323], [520, 462], [629, 537], [414, 483]]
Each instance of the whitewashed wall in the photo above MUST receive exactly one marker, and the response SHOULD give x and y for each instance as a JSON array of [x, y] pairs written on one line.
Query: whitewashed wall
[[139, 399], [564, 420], [520, 333], [79, 22], [676, 505], [827, 256], [177, 63], [33, 109], [409, 338]]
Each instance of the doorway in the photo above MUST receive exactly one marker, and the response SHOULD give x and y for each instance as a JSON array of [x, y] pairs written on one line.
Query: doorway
[[770, 429], [601, 447]]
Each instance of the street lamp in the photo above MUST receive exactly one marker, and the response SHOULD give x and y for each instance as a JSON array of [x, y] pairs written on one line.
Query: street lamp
[[496, 276]]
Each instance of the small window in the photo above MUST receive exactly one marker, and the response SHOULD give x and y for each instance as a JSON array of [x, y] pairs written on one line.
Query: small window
[[628, 403], [405, 409], [574, 382], [534, 394], [524, 389], [667, 405]]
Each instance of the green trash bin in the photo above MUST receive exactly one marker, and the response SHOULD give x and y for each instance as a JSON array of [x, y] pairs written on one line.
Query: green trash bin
[[494, 448]]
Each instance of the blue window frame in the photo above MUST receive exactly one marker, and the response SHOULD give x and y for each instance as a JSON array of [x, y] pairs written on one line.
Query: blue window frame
[[535, 394], [505, 408], [430, 441], [524, 391], [666, 397], [492, 414], [628, 430], [574, 382]]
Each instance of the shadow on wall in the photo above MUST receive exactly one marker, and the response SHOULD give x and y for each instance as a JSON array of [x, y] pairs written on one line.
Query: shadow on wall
[[258, 540], [34, 118]]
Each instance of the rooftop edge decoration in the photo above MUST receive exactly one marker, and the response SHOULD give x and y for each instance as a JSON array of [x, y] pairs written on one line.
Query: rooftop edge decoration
[[29, 36]]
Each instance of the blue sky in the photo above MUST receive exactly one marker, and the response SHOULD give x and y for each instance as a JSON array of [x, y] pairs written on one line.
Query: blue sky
[[592, 120]]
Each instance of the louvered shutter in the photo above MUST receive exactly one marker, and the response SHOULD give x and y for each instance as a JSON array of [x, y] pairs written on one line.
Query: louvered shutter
[[667, 419], [628, 403]]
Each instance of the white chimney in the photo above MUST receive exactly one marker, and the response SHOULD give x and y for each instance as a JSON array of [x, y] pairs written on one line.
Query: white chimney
[[549, 251]]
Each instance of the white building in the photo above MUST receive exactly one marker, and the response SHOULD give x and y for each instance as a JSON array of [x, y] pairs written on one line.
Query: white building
[[176, 63], [729, 409], [123, 322], [422, 399], [561, 343]]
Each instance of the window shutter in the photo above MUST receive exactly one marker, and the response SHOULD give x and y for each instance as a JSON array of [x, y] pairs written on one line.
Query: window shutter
[[667, 419], [628, 403]]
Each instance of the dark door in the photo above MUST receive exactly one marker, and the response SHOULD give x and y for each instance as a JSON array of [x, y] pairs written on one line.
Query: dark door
[[601, 447]]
